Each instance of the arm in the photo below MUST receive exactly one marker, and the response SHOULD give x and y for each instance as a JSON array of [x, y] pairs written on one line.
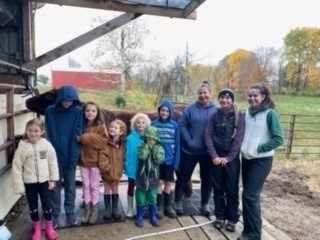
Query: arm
[[144, 151], [184, 124], [104, 164], [208, 135], [17, 173], [158, 153], [94, 140], [53, 164], [276, 135], [177, 148]]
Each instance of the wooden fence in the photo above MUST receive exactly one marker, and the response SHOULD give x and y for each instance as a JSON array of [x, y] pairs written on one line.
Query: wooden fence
[[301, 135]]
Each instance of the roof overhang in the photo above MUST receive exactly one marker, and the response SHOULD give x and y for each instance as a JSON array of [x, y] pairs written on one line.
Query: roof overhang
[[167, 8]]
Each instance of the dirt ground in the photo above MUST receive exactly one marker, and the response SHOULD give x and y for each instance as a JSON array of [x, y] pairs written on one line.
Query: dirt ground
[[290, 200]]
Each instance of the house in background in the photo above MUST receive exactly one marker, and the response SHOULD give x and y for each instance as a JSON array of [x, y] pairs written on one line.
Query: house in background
[[81, 78]]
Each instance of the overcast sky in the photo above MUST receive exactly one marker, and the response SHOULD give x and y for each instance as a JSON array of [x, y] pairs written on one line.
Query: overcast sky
[[221, 27]]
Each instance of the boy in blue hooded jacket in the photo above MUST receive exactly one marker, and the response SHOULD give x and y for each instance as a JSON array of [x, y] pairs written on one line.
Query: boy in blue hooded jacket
[[169, 135], [63, 122]]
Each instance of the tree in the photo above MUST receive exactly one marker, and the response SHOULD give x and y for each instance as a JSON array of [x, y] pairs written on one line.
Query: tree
[[42, 79], [118, 50], [301, 52]]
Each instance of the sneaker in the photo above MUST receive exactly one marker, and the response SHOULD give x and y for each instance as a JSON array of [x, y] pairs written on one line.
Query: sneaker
[[71, 220], [54, 222]]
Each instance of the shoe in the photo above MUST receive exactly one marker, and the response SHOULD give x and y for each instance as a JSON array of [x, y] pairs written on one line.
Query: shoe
[[218, 224], [71, 220], [231, 226], [205, 210], [55, 222]]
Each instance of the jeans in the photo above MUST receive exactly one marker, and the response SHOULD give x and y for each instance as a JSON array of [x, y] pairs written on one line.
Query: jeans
[[254, 173], [68, 175]]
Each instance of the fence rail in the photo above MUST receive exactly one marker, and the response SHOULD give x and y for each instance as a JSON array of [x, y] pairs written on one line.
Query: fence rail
[[301, 134]]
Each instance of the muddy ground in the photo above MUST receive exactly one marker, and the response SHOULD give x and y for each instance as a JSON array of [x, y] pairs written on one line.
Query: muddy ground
[[291, 203]]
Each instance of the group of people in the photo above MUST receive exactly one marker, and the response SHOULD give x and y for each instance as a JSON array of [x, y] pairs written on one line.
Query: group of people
[[150, 156]]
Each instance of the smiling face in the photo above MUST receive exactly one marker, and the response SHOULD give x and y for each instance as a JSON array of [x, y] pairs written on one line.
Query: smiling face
[[33, 132], [164, 112], [255, 98], [225, 101], [204, 96], [140, 124], [91, 112], [115, 130]]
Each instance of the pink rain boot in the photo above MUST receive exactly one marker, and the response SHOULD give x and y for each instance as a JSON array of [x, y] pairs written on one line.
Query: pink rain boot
[[36, 235], [50, 232]]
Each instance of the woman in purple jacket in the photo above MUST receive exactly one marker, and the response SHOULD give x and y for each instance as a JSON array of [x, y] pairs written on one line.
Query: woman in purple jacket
[[192, 125], [223, 136]]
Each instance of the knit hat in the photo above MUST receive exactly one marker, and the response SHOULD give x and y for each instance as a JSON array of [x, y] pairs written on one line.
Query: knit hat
[[226, 91], [151, 132]]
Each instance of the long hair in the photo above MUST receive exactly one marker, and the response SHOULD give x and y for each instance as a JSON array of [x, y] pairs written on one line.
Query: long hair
[[98, 118], [268, 102], [35, 121]]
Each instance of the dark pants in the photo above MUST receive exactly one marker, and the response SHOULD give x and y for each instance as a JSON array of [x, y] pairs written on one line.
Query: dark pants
[[32, 192], [187, 164], [225, 183], [254, 173], [68, 175]]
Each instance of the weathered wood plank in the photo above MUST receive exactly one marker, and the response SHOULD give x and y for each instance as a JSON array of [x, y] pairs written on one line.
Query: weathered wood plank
[[208, 229], [193, 233]]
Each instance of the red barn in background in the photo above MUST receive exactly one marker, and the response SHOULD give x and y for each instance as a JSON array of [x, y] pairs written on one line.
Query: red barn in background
[[85, 79]]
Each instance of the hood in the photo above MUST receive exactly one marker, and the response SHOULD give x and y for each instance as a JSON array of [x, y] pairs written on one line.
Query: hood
[[69, 93], [167, 103]]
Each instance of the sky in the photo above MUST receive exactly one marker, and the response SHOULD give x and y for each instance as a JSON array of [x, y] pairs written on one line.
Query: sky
[[221, 27]]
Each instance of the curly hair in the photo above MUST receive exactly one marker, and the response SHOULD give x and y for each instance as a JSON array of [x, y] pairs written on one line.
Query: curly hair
[[138, 116]]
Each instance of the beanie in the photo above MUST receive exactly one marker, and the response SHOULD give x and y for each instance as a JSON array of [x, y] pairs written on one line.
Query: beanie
[[226, 91]]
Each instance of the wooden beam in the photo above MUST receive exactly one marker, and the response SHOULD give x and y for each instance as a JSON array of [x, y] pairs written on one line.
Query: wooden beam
[[81, 40], [21, 69], [129, 8], [190, 9]]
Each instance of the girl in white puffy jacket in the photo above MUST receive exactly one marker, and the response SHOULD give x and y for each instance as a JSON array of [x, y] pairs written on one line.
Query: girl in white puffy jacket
[[34, 173]]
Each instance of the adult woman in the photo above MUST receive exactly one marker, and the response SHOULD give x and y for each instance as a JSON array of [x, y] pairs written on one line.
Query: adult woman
[[262, 134], [223, 137], [192, 125]]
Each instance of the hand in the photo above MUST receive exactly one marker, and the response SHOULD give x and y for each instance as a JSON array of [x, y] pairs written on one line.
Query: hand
[[216, 161], [51, 185], [224, 161]]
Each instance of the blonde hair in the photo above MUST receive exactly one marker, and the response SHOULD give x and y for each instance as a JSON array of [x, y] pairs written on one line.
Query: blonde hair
[[36, 121], [136, 117]]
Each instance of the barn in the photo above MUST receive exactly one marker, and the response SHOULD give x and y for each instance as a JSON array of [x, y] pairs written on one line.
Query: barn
[[82, 78]]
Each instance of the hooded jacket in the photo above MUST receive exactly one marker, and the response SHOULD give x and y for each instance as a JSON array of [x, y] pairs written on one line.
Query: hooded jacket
[[63, 125], [192, 127], [93, 141], [169, 134], [34, 163]]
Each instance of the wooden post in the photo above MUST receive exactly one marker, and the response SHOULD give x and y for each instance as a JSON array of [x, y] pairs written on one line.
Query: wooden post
[[288, 146]]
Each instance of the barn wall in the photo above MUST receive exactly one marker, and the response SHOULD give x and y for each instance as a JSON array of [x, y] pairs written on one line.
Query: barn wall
[[85, 79]]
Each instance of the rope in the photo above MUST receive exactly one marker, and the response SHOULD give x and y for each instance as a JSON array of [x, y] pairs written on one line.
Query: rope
[[168, 231]]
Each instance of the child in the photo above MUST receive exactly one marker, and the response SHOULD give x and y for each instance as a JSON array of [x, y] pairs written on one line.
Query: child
[[93, 141], [138, 124], [63, 122], [223, 136], [34, 172], [169, 135], [150, 156], [262, 135], [111, 167]]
